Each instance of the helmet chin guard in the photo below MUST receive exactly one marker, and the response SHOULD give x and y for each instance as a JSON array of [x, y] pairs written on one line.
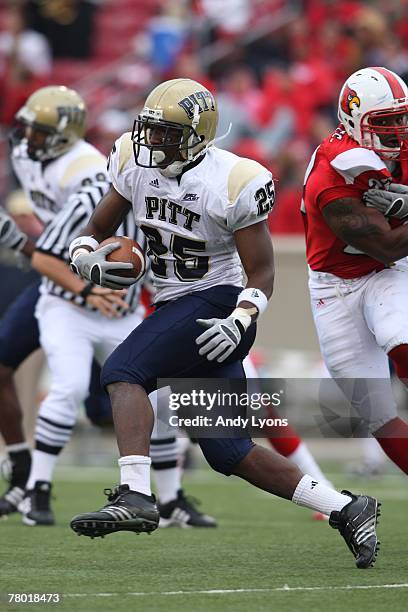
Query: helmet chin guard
[[170, 171]]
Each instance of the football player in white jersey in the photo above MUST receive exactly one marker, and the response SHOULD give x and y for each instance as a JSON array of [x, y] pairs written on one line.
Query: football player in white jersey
[[64, 177], [203, 211], [53, 162]]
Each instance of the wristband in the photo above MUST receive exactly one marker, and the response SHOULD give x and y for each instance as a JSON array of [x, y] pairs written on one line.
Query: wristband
[[256, 297], [83, 241], [87, 290]]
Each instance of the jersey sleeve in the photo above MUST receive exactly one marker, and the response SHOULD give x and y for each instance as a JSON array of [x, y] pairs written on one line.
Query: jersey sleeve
[[119, 158], [67, 224], [18, 158], [251, 195], [354, 171]]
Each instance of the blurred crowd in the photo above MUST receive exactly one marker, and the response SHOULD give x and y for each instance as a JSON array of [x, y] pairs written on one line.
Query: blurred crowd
[[276, 66]]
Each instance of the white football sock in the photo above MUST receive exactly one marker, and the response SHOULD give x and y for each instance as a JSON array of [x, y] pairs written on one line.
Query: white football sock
[[135, 472], [42, 467], [319, 497], [168, 482], [373, 455], [305, 461]]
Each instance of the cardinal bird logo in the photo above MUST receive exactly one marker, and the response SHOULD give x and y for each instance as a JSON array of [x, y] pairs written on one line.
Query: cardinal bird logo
[[349, 100]]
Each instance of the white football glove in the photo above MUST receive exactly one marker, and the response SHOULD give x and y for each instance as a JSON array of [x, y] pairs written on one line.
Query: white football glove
[[223, 335], [392, 203], [10, 236], [94, 267]]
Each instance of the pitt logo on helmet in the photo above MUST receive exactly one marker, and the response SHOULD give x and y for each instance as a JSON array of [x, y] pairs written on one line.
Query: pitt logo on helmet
[[349, 101], [72, 114], [203, 99]]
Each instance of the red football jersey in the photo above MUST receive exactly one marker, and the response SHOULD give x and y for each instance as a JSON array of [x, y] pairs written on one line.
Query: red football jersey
[[339, 168]]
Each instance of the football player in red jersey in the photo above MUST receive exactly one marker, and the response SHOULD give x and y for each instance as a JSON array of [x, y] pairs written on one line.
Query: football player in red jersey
[[357, 252]]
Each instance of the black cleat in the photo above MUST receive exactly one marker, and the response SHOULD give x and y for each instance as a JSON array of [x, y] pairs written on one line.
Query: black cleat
[[10, 500], [357, 522], [35, 507], [181, 512], [126, 510]]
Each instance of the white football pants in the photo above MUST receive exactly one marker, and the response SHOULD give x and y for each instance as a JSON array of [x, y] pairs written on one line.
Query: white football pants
[[358, 321], [71, 336]]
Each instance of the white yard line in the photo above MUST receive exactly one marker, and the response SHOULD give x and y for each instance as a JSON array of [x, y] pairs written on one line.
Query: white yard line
[[285, 588]]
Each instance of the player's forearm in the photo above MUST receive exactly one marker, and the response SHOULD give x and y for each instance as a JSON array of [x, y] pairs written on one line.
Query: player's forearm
[[256, 253], [107, 216], [366, 229], [382, 243], [58, 271], [393, 245], [263, 279], [258, 290]]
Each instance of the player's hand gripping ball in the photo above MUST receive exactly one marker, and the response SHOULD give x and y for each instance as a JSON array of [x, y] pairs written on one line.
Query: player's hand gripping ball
[[117, 263], [129, 251]]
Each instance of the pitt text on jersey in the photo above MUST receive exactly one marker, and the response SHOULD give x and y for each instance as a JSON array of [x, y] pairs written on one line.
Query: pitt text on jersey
[[171, 212]]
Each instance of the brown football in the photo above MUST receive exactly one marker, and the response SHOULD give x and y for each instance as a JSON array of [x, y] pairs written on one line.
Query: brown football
[[128, 252]]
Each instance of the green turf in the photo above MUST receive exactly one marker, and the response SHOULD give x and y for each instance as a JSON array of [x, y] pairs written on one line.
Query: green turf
[[261, 543]]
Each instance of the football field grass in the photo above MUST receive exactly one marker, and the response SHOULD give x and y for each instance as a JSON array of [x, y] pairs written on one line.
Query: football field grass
[[266, 554]]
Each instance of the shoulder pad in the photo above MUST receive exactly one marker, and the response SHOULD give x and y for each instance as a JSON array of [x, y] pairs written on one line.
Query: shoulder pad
[[353, 162], [79, 165], [241, 174], [125, 150]]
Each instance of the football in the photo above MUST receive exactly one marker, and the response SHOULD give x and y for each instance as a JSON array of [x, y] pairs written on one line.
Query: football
[[128, 252]]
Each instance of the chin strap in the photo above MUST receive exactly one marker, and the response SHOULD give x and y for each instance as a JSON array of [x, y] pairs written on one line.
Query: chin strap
[[174, 169]]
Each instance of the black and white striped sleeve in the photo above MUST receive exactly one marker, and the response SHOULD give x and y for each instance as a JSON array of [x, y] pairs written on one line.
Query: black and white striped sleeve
[[59, 233]]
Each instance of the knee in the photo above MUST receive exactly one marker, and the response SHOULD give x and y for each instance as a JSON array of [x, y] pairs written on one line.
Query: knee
[[78, 391], [223, 455], [70, 392], [115, 374], [391, 329]]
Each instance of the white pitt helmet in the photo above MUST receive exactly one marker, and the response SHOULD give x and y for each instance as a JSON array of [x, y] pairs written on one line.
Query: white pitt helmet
[[373, 107]]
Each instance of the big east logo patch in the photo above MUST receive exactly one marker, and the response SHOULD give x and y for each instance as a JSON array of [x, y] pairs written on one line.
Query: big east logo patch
[[349, 99]]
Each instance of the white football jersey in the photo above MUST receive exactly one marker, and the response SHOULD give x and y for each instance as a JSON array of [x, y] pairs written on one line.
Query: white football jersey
[[48, 185], [189, 221]]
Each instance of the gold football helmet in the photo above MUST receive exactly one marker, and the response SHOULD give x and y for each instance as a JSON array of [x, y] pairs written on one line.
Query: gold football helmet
[[54, 120], [177, 124]]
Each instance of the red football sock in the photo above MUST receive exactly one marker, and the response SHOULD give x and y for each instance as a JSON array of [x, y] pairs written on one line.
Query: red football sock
[[399, 357], [393, 436], [393, 444], [283, 438]]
